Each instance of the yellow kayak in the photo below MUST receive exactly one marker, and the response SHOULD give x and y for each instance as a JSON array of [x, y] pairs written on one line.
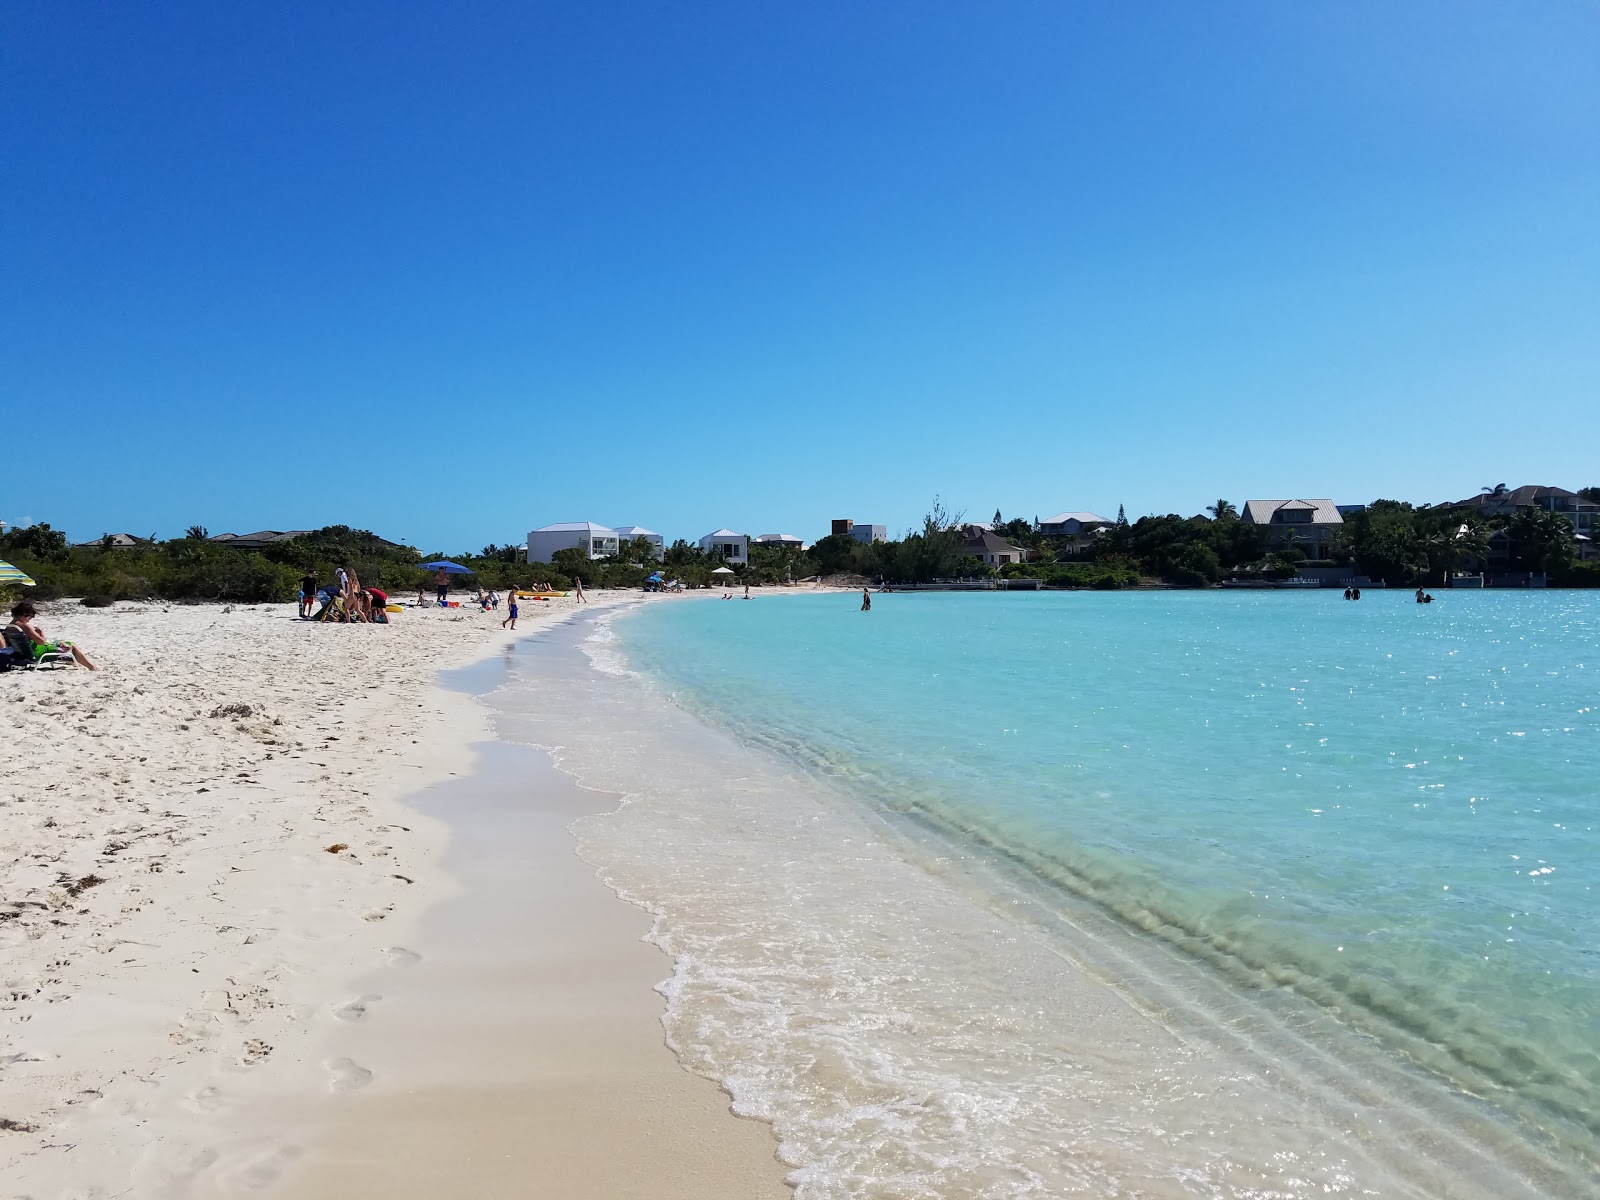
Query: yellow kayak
[[542, 595]]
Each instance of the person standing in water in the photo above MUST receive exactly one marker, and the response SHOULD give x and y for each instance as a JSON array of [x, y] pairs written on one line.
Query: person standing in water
[[866, 600]]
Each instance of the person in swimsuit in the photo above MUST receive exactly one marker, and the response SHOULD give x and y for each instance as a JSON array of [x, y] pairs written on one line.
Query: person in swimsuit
[[22, 617], [441, 586], [866, 600], [308, 593], [511, 616]]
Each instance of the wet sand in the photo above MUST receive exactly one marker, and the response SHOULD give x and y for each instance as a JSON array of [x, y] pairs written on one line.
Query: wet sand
[[517, 1049]]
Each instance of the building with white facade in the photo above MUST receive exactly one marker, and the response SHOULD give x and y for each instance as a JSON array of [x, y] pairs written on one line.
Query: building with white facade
[[597, 541], [630, 533], [869, 533], [781, 541], [733, 548]]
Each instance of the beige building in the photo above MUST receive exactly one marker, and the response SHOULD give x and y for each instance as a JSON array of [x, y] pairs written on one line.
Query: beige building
[[1309, 525]]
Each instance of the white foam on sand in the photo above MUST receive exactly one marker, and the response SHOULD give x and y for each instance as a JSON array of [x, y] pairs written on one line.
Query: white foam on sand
[[903, 1027]]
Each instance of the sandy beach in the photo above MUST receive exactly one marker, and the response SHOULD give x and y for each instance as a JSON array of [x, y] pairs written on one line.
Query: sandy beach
[[208, 867]]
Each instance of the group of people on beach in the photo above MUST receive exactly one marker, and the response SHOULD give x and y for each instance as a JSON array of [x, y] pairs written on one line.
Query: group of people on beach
[[343, 600], [25, 638]]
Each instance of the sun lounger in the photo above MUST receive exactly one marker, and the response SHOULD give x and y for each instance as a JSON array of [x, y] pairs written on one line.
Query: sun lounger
[[21, 647]]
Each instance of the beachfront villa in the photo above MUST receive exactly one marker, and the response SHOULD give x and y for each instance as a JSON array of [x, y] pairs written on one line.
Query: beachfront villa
[[632, 533], [1072, 524], [992, 550], [733, 548], [1502, 501], [781, 541], [597, 541], [1309, 525]]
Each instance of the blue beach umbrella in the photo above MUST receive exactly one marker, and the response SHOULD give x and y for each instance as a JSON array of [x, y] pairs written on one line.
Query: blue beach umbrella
[[10, 574], [448, 568]]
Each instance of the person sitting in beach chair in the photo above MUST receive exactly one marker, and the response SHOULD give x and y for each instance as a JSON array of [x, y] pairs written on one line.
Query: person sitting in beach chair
[[26, 638]]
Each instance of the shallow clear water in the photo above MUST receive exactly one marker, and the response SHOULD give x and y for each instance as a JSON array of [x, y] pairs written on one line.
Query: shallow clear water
[[1122, 894]]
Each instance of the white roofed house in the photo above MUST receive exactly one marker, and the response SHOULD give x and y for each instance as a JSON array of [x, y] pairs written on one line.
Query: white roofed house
[[632, 533], [1309, 525], [597, 541], [733, 548], [780, 541]]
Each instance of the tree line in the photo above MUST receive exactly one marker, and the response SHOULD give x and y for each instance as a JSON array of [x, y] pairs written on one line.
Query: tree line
[[1390, 540]]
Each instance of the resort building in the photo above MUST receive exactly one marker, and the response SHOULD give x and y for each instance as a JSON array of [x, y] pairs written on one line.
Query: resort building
[[1309, 525], [632, 533], [731, 547], [869, 533], [597, 541], [781, 541], [992, 550], [1072, 524]]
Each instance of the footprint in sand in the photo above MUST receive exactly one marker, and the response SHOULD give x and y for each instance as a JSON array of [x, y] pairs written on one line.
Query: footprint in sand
[[264, 1171], [354, 1010], [399, 956], [207, 1100], [348, 1075]]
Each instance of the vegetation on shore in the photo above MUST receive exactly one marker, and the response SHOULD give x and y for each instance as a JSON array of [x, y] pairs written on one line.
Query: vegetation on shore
[[1389, 540]]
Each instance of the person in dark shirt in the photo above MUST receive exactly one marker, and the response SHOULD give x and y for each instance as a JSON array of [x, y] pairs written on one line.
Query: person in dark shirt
[[308, 593]]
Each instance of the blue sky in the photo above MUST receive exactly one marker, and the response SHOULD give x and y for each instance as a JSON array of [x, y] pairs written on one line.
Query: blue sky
[[454, 271]]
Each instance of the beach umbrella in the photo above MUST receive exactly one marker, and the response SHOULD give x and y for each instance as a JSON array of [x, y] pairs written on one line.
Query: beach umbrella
[[10, 574], [449, 568], [723, 571]]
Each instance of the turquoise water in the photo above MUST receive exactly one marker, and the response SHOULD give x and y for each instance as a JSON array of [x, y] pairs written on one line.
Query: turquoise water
[[1378, 810]]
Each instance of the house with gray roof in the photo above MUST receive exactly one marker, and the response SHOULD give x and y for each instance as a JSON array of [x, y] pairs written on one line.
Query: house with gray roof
[[992, 550], [1072, 524], [1309, 525]]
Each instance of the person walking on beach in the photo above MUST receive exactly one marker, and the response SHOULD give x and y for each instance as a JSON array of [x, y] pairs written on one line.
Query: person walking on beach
[[577, 590], [511, 611], [866, 600]]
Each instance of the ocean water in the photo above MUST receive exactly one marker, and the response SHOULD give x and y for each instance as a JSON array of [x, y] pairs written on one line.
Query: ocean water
[[1155, 894]]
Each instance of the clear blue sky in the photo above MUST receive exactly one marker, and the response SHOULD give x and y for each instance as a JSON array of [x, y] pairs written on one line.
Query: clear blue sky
[[453, 271]]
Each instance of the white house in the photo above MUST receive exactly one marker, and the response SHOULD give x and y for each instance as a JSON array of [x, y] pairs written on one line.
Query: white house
[[727, 545], [869, 533], [629, 533], [781, 541], [597, 541], [1072, 524]]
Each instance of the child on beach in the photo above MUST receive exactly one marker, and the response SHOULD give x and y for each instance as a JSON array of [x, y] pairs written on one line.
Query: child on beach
[[308, 593], [511, 614]]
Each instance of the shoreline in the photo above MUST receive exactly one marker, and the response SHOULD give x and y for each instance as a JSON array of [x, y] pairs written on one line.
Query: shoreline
[[204, 841]]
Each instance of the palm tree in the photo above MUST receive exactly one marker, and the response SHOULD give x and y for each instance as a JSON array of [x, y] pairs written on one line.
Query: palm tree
[[1222, 510], [196, 533], [1498, 489]]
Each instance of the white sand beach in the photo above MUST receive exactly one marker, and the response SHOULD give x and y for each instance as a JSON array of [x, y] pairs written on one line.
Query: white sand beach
[[204, 852]]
